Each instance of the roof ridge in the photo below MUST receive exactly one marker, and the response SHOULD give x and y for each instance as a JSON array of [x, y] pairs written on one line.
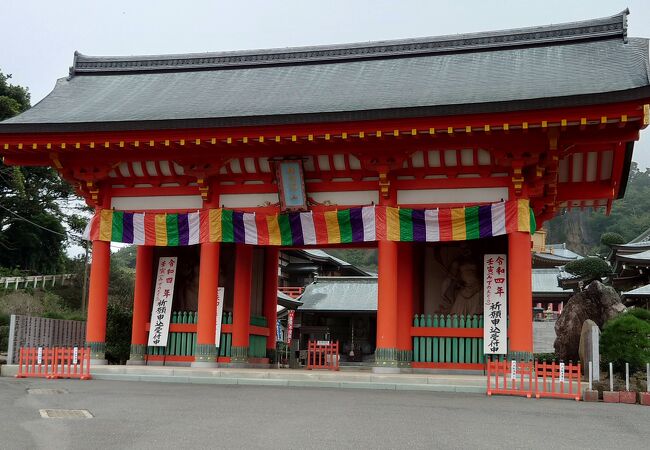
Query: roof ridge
[[605, 27]]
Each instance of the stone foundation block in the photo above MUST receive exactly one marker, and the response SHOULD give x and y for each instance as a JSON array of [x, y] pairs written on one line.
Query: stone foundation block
[[611, 397], [644, 398], [590, 396], [628, 397]]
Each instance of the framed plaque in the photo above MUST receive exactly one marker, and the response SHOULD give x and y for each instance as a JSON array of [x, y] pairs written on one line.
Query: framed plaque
[[291, 184]]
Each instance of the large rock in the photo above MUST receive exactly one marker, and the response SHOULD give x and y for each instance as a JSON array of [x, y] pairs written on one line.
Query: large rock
[[598, 303]]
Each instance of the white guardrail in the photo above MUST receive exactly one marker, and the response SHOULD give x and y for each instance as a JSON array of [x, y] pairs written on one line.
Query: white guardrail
[[34, 281]]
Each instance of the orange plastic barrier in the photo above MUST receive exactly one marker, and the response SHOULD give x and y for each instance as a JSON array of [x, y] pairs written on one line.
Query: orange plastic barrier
[[72, 363], [558, 380], [57, 362], [322, 356], [510, 378], [35, 362]]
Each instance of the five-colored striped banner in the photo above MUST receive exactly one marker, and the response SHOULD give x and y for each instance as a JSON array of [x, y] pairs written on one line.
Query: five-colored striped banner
[[354, 225]]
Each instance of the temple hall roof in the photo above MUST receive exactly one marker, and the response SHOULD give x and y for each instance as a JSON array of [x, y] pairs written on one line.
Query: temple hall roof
[[337, 294], [570, 64], [545, 283]]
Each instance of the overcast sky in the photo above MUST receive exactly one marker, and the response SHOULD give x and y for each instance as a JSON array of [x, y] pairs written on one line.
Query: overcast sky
[[39, 37]]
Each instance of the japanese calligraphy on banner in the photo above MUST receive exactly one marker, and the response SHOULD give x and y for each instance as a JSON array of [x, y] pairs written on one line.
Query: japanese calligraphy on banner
[[495, 304], [217, 335], [161, 310], [290, 326]]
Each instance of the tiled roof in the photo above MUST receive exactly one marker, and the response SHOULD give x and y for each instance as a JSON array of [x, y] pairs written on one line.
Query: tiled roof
[[643, 291], [578, 63], [545, 281], [340, 294]]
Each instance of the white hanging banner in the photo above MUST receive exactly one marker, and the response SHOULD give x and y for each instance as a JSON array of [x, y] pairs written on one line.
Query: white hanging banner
[[217, 335], [161, 310], [290, 326], [495, 304]]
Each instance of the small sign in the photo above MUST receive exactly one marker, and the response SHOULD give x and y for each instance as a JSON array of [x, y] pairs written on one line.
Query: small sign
[[495, 304], [513, 370], [75, 355], [39, 355], [161, 310], [561, 372], [217, 334], [290, 326], [322, 342], [278, 331], [291, 184]]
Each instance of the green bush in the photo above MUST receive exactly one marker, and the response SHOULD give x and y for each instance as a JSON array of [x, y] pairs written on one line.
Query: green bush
[[610, 238], [118, 333], [546, 357], [591, 267], [626, 338]]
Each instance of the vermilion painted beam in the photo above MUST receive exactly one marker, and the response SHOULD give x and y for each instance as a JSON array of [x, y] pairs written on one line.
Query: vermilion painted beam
[[451, 183], [584, 191], [258, 331], [225, 328], [177, 327], [154, 191], [447, 332]]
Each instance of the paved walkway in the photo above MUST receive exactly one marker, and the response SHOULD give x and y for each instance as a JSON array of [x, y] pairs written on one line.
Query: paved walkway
[[160, 416], [288, 377], [544, 337]]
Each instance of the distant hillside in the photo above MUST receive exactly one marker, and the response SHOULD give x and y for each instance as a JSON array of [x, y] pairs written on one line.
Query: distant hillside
[[630, 216], [364, 258]]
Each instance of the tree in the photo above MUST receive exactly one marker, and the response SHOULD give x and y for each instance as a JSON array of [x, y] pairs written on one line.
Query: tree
[[35, 204], [626, 339], [13, 99], [630, 216], [591, 267]]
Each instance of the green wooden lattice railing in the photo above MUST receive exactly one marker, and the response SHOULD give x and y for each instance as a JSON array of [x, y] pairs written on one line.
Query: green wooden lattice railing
[[257, 343], [467, 350], [182, 344]]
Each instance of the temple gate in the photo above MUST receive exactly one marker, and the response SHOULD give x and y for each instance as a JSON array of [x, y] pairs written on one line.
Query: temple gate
[[414, 147]]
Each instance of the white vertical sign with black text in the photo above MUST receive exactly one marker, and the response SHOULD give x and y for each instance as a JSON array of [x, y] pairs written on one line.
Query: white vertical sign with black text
[[290, 326], [161, 309], [495, 304], [217, 335]]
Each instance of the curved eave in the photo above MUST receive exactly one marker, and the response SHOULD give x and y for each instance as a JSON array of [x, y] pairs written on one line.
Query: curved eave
[[637, 94]]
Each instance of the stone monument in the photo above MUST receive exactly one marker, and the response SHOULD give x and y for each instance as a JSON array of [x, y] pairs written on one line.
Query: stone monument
[[589, 348]]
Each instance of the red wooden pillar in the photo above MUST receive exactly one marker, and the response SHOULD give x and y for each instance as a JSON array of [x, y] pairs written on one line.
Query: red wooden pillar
[[242, 303], [141, 303], [98, 301], [206, 351], [406, 292], [386, 350], [520, 296], [271, 261], [386, 353]]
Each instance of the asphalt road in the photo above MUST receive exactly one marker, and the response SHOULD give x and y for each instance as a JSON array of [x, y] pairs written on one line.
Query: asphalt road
[[164, 415]]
